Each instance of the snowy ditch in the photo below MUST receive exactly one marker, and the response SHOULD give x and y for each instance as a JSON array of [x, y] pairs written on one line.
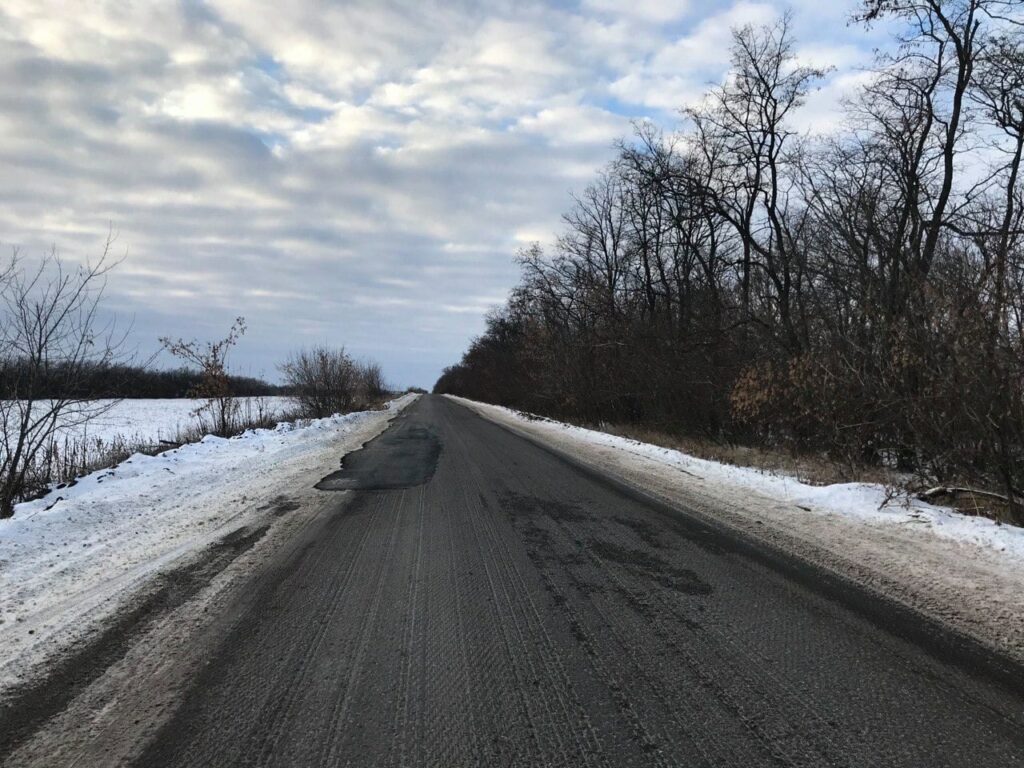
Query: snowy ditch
[[77, 556]]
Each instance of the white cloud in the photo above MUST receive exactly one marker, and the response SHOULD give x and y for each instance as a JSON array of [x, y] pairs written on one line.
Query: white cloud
[[822, 111], [655, 11], [205, 101], [575, 124], [678, 73], [357, 172]]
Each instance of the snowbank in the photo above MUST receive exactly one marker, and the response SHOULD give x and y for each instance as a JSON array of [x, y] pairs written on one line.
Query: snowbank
[[967, 571], [71, 558]]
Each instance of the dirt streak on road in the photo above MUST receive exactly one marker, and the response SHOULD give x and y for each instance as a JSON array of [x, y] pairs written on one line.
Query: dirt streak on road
[[474, 600]]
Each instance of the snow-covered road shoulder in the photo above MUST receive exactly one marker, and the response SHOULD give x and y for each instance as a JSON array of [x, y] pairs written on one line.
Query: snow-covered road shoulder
[[74, 557], [965, 571]]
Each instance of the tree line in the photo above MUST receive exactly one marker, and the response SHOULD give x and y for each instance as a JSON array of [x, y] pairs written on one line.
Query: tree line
[[122, 380], [858, 293]]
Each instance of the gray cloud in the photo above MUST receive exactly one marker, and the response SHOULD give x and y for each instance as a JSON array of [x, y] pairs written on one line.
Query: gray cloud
[[357, 173]]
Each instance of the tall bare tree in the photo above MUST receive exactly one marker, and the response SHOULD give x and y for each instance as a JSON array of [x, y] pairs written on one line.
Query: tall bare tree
[[50, 330], [743, 130]]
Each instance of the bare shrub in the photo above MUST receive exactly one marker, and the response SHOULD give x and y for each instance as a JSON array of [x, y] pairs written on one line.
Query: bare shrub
[[372, 385], [215, 385], [323, 380]]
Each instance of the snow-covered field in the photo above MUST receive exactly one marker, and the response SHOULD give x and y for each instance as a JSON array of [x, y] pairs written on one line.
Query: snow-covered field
[[149, 421], [74, 557], [967, 571]]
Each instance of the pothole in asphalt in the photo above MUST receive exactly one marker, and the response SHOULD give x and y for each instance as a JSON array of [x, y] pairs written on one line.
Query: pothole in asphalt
[[403, 457]]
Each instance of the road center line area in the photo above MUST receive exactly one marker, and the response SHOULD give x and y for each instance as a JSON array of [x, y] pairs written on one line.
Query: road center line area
[[467, 598]]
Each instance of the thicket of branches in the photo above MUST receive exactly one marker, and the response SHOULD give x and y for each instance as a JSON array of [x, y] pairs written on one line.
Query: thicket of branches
[[326, 380], [859, 294]]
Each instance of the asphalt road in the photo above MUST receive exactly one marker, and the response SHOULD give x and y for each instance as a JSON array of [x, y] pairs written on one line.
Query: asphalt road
[[475, 600]]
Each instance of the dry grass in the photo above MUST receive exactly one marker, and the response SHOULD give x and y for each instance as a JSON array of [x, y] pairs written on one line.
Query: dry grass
[[68, 458], [813, 469], [816, 469], [974, 502]]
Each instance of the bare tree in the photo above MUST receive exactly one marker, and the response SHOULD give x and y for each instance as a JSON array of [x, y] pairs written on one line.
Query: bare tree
[[743, 131], [215, 386], [940, 50], [999, 90], [50, 330]]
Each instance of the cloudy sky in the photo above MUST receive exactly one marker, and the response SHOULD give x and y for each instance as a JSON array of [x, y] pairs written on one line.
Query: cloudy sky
[[349, 172]]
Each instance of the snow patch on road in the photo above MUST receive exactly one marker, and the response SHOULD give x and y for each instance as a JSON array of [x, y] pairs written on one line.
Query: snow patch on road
[[967, 571], [72, 558]]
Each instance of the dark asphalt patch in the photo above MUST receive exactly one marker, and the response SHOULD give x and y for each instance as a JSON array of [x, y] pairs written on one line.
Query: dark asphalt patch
[[403, 457], [643, 529], [556, 510], [680, 579], [280, 506]]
